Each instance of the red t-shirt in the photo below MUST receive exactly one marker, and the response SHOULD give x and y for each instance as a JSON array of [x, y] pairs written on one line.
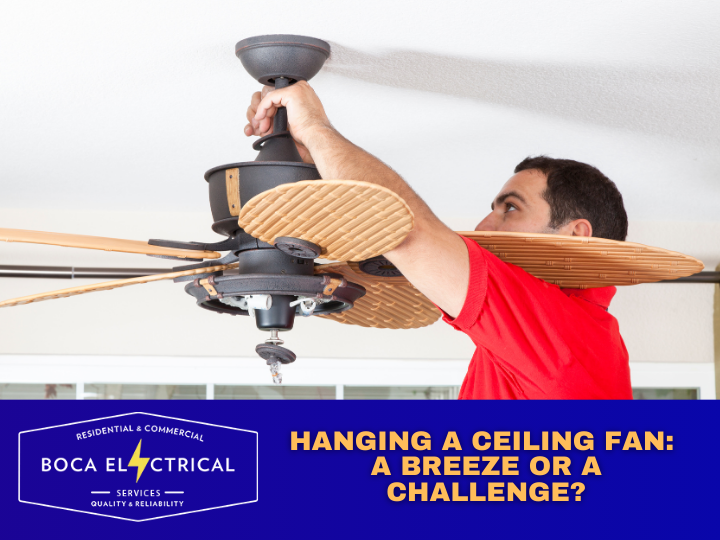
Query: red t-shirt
[[538, 341]]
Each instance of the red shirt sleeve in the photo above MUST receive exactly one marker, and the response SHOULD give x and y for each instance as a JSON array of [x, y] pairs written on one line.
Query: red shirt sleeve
[[546, 342], [477, 289]]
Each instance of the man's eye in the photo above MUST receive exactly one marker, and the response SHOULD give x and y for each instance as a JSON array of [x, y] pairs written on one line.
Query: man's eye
[[509, 207]]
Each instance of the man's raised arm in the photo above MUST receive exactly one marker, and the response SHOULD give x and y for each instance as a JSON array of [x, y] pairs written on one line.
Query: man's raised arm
[[432, 257]]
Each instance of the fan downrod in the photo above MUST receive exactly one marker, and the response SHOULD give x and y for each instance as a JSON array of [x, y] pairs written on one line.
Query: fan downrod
[[280, 61]]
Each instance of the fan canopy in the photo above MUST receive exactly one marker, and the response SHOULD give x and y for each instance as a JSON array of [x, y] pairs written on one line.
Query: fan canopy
[[298, 58]]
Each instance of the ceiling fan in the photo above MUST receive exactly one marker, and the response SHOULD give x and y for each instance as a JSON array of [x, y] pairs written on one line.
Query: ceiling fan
[[279, 216]]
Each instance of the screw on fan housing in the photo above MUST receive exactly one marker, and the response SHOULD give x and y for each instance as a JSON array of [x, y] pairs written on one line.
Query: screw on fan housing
[[296, 247], [274, 338], [379, 266]]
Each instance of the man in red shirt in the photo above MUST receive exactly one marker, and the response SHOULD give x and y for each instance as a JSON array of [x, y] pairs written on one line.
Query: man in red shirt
[[534, 340]]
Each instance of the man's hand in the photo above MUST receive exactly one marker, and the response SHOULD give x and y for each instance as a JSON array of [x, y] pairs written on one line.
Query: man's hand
[[305, 114]]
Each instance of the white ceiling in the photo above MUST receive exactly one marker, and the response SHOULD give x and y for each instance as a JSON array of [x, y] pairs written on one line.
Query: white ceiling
[[123, 105]]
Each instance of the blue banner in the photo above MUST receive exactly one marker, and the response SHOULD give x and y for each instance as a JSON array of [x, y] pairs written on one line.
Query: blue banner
[[358, 469]]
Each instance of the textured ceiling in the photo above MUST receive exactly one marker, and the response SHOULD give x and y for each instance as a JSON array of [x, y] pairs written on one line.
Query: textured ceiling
[[124, 105]]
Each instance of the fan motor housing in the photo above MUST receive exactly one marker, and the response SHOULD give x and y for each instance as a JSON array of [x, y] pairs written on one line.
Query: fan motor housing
[[342, 298], [253, 177], [267, 270]]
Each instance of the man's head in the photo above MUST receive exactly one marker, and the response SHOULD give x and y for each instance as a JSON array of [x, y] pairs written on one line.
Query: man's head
[[558, 196]]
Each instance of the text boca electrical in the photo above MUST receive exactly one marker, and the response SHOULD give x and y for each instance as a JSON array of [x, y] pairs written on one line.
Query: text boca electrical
[[79, 464]]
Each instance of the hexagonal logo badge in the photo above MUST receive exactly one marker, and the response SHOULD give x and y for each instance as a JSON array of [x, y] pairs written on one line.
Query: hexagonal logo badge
[[138, 466]]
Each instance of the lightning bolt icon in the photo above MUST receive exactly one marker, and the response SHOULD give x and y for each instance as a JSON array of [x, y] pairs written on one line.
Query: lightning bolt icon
[[139, 462]]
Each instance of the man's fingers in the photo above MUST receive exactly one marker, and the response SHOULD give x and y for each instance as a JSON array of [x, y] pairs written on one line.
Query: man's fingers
[[270, 102], [265, 125], [252, 109], [257, 99], [259, 126], [264, 106], [249, 130], [254, 102]]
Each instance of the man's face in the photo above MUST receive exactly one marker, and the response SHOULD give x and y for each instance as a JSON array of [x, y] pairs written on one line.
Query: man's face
[[520, 207]]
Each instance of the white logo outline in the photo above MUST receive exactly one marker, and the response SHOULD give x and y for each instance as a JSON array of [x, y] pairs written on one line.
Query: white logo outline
[[257, 466]]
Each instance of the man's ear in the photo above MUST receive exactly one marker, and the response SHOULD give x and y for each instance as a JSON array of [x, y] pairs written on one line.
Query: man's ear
[[579, 227]]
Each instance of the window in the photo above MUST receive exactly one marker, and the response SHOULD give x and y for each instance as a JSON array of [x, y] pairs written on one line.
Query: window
[[665, 393], [144, 391], [402, 392], [274, 392], [37, 391]]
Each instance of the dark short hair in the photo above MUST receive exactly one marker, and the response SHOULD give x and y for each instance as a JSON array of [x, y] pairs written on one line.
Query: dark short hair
[[577, 190]]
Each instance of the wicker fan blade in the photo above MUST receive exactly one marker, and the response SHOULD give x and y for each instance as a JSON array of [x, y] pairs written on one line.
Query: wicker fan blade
[[580, 262], [389, 303], [99, 242], [109, 285], [349, 220]]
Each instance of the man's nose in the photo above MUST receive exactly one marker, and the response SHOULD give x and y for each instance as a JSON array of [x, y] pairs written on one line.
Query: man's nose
[[488, 224]]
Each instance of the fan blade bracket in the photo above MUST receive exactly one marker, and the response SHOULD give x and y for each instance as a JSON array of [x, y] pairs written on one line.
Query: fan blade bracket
[[173, 258], [332, 283], [224, 245], [208, 285], [229, 260], [183, 279]]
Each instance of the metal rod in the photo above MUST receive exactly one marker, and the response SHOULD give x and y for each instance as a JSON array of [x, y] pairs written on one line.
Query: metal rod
[[280, 122], [76, 272], [274, 338], [700, 277]]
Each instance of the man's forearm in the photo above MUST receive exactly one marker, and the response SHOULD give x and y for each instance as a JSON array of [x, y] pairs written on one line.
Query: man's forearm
[[338, 159]]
